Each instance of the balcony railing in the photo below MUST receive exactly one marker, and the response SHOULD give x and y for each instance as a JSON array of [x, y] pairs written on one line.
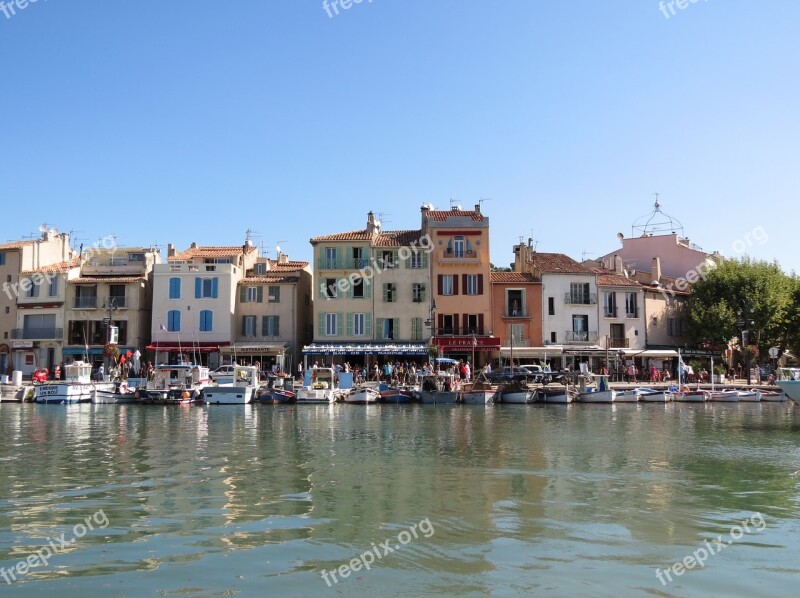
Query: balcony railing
[[580, 299], [357, 263], [85, 302], [464, 331], [116, 301], [449, 256], [582, 336], [329, 264], [610, 313], [618, 343], [518, 342], [37, 333], [516, 313]]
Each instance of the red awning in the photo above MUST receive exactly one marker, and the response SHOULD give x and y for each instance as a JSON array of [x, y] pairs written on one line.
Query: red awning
[[466, 344], [187, 348]]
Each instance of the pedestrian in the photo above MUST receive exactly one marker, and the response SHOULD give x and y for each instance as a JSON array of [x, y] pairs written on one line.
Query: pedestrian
[[468, 370], [757, 372]]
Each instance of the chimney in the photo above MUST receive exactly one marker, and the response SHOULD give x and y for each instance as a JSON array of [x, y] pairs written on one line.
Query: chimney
[[655, 273], [617, 264], [193, 245], [170, 250], [371, 226], [478, 208], [283, 258]]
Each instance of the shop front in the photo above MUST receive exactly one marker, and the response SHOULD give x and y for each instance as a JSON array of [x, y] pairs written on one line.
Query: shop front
[[206, 354], [475, 349]]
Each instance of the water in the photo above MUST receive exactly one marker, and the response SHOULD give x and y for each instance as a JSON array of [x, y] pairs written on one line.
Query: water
[[255, 500]]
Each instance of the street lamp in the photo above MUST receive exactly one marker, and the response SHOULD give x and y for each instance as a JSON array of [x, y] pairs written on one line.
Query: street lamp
[[110, 306], [744, 322]]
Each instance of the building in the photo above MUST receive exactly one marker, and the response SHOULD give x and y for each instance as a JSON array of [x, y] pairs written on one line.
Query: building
[[273, 314], [516, 312], [462, 299], [113, 292], [16, 257], [194, 302], [371, 295]]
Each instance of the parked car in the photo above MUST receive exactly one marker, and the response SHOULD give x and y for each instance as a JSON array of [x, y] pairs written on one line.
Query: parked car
[[224, 371], [540, 374], [509, 374]]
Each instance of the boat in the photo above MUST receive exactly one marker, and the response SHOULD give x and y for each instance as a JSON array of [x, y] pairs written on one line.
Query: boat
[[480, 392], [684, 395], [650, 395], [124, 391], [723, 396], [750, 396], [557, 396], [789, 382], [631, 395], [399, 395], [242, 391], [275, 392], [177, 383], [515, 393], [364, 395], [323, 387], [602, 393], [439, 388], [772, 396], [77, 386]]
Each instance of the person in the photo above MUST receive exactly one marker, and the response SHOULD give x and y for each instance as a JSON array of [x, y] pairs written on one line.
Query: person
[[757, 372], [300, 371], [487, 369], [468, 370], [666, 375], [739, 371], [101, 372], [515, 308]]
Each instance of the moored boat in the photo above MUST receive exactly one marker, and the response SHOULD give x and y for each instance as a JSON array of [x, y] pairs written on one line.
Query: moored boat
[[480, 392], [364, 395], [689, 396], [242, 391], [789, 382], [77, 386], [123, 391], [627, 396], [174, 384], [440, 388], [397, 395], [650, 395], [723, 396], [750, 396], [556, 396], [603, 393], [323, 388], [276, 392], [772, 396], [515, 393]]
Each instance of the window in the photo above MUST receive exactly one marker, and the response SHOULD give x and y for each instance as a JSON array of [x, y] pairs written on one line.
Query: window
[[472, 324], [388, 328], [116, 294], [39, 326], [274, 294], [358, 288], [471, 284], [675, 327], [53, 287], [416, 329], [552, 337], [270, 326], [8, 309], [631, 306], [261, 268], [135, 257], [2, 258], [206, 320], [516, 333], [175, 288], [331, 324], [388, 259], [251, 295], [551, 306], [359, 261], [610, 304], [248, 326], [418, 292], [330, 288], [418, 259], [174, 320], [447, 324], [122, 331], [330, 258], [515, 303], [446, 284], [206, 288], [389, 292], [358, 324], [33, 289], [579, 293], [458, 247], [580, 328]]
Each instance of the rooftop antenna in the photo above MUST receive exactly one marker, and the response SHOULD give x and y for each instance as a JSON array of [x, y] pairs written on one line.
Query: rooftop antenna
[[278, 249], [482, 199], [380, 216], [585, 253]]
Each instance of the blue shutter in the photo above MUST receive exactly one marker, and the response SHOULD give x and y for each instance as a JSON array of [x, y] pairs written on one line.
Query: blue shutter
[[214, 287], [198, 287]]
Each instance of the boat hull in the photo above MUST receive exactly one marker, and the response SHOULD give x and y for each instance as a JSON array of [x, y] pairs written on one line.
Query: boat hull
[[228, 395], [478, 397], [517, 397], [363, 396], [749, 396], [442, 397], [773, 397], [724, 397], [626, 396], [601, 396], [66, 393], [397, 396], [791, 388], [654, 397], [689, 397]]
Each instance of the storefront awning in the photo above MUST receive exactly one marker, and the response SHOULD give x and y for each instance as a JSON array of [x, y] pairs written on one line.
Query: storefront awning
[[525, 352], [466, 344], [254, 349], [365, 349], [187, 347], [649, 352]]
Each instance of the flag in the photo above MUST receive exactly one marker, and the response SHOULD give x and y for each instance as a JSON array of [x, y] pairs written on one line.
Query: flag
[[164, 328]]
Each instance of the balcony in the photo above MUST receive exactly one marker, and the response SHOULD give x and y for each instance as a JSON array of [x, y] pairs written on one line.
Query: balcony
[[118, 301], [518, 342], [618, 343], [36, 334], [448, 256], [329, 264], [357, 263], [465, 331], [85, 302], [580, 336], [610, 313], [114, 267], [581, 299], [517, 313]]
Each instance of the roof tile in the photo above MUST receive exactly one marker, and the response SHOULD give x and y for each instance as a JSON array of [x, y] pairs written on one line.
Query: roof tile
[[512, 277], [445, 215]]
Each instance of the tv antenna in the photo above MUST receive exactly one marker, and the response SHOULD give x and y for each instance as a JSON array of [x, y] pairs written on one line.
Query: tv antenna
[[482, 199], [278, 249]]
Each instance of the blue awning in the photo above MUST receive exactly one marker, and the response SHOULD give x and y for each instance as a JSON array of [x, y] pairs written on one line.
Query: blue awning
[[365, 349], [93, 350]]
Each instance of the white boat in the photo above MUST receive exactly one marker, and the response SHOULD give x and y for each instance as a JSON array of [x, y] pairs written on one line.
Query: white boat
[[689, 396], [124, 391], [631, 395], [650, 395], [723, 396], [178, 383], [323, 387], [789, 382], [77, 386], [750, 396], [515, 393], [478, 393], [364, 395], [603, 393], [241, 391], [439, 388], [557, 396], [773, 396]]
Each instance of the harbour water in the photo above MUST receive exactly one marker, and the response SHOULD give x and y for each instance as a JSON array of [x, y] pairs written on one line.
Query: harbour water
[[519, 500]]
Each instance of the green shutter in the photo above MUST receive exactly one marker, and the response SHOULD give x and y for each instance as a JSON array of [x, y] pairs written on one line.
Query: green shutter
[[368, 324], [339, 324], [260, 294], [424, 259], [349, 324], [244, 325], [379, 327], [264, 325], [385, 291], [243, 294], [321, 324], [367, 288], [396, 325], [423, 291]]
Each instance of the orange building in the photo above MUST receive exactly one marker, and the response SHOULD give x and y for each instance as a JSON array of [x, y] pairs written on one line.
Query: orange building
[[516, 309]]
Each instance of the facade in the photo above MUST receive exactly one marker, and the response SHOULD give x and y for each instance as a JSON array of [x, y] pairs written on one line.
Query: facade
[[516, 311], [273, 314], [112, 290], [462, 298], [51, 249], [621, 311], [194, 302], [371, 295]]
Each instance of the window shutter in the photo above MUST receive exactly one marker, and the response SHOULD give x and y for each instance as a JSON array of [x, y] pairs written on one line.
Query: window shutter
[[214, 287], [368, 324], [480, 284], [385, 292], [397, 328], [321, 324], [424, 259], [367, 288], [422, 293], [198, 287], [349, 324], [455, 324], [244, 325], [440, 323], [464, 283], [480, 324], [243, 294], [440, 283], [455, 284], [380, 327], [339, 323], [264, 325], [277, 331], [259, 294]]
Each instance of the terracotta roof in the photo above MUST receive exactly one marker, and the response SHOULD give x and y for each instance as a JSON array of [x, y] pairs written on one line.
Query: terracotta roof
[[276, 266], [211, 251], [607, 278], [512, 277], [353, 235], [95, 279], [398, 238], [558, 263], [15, 244], [270, 278], [445, 215], [59, 267]]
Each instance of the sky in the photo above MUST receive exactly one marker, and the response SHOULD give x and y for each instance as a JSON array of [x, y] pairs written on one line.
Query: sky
[[198, 120]]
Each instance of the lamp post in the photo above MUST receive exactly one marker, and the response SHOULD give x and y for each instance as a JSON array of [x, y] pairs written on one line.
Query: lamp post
[[110, 306], [431, 323], [744, 322]]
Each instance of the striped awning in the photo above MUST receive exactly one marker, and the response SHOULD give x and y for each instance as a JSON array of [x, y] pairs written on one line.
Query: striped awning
[[365, 349]]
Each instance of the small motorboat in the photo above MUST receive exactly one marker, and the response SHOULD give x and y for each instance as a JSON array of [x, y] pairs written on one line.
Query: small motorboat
[[750, 396], [772, 396], [650, 395], [365, 395], [723, 396], [397, 395], [684, 395]]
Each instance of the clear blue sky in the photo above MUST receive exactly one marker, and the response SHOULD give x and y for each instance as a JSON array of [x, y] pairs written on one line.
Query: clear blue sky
[[195, 120]]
